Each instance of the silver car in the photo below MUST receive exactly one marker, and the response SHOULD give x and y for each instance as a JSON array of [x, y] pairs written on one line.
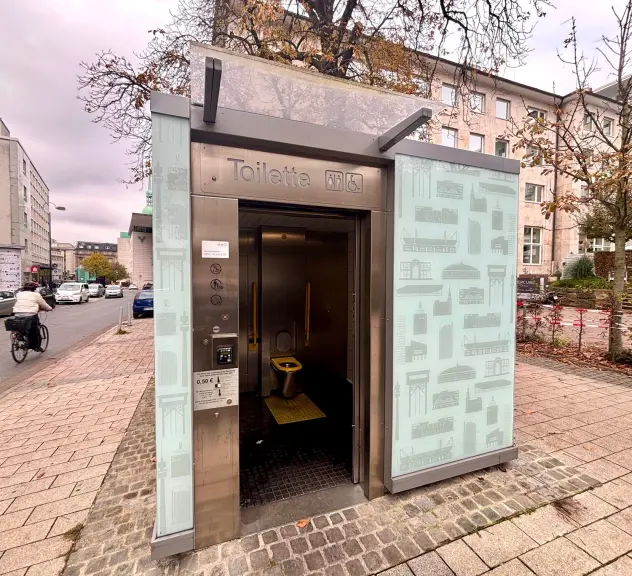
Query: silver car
[[7, 301], [113, 291]]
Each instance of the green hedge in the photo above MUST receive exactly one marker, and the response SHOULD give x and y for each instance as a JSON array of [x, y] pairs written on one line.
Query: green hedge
[[604, 263], [595, 282]]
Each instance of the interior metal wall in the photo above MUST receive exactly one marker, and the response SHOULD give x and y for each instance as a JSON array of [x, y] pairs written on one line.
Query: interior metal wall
[[282, 264]]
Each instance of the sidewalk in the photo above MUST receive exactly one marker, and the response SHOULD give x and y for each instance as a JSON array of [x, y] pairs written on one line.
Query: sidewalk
[[537, 515], [59, 431]]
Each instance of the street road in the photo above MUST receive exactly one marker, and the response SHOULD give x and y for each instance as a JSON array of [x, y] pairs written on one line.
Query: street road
[[68, 325]]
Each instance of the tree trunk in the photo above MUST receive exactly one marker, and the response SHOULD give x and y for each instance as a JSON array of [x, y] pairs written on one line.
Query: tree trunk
[[615, 345]]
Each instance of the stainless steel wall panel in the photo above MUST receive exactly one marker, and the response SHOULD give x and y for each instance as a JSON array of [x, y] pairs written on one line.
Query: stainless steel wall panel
[[215, 294]]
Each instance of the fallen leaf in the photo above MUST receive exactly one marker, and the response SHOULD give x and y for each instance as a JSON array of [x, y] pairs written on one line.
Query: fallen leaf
[[302, 523], [529, 411], [41, 474]]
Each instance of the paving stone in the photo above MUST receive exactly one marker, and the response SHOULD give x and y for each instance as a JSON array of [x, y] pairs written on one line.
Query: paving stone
[[289, 531], [250, 543], [269, 537], [299, 545], [373, 561], [50, 568], [260, 559], [392, 554], [321, 522], [351, 514], [386, 536], [621, 567], [336, 570], [25, 534], [585, 508], [602, 540], [545, 524], [293, 567], [371, 542], [314, 560], [334, 535], [401, 570], [333, 554], [461, 560], [279, 551], [352, 547], [34, 553], [512, 568], [603, 469], [355, 567], [622, 520], [617, 492], [559, 557], [237, 566], [500, 543], [429, 564], [317, 539]]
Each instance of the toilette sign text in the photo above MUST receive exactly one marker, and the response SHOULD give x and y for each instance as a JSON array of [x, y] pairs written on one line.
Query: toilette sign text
[[263, 174]]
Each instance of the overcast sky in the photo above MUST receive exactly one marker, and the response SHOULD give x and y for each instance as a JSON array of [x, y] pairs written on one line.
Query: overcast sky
[[43, 41]]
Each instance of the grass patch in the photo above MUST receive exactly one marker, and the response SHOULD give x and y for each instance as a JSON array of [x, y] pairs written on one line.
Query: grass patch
[[121, 331], [74, 532]]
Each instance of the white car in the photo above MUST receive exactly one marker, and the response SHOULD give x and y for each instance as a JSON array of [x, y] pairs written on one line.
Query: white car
[[114, 291], [132, 287], [72, 293]]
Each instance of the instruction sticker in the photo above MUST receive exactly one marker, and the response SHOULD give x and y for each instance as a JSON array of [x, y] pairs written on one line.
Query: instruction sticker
[[215, 389], [215, 249]]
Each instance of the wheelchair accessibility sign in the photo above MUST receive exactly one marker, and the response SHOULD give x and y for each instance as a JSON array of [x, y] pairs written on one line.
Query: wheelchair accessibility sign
[[337, 181]]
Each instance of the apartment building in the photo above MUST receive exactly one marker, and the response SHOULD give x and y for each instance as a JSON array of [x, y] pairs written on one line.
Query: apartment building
[[84, 249], [64, 261], [479, 118], [24, 208]]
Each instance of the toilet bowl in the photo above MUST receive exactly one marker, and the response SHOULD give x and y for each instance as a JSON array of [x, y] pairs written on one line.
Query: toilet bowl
[[286, 369]]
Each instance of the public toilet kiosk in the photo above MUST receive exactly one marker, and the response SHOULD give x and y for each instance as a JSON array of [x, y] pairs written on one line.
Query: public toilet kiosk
[[334, 302]]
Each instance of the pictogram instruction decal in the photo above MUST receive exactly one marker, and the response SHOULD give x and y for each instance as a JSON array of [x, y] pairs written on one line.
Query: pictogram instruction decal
[[215, 389]]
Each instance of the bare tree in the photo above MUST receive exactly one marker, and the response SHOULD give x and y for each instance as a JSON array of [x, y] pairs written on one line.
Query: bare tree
[[588, 142], [378, 42]]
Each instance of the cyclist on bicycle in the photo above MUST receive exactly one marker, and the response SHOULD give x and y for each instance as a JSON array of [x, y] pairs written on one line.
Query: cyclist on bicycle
[[28, 303]]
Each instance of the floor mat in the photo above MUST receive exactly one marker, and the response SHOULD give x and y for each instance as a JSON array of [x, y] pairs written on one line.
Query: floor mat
[[290, 410]]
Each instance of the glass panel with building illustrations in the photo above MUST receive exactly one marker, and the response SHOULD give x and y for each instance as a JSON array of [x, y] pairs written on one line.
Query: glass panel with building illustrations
[[172, 322], [453, 312]]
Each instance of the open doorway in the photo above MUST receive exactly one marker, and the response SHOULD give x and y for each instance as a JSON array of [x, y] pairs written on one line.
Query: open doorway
[[298, 359]]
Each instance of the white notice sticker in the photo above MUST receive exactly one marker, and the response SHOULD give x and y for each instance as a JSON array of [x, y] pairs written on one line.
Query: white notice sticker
[[214, 249], [215, 389]]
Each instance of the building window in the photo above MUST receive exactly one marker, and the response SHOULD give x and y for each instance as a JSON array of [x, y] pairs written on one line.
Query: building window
[[587, 122], [502, 148], [600, 244], [26, 244], [537, 114], [24, 167], [448, 95], [532, 245], [502, 109], [477, 142], [531, 156], [477, 102], [608, 126], [533, 193], [26, 197], [584, 192], [449, 137], [26, 219]]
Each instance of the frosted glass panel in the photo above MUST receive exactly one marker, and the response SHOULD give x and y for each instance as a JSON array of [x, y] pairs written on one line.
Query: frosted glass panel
[[453, 312], [255, 85], [172, 326]]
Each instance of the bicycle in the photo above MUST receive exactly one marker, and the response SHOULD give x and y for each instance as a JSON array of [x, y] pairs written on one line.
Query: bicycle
[[20, 346]]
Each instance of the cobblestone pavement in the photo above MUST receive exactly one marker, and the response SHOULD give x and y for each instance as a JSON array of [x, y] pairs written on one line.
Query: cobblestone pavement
[[559, 509], [59, 431]]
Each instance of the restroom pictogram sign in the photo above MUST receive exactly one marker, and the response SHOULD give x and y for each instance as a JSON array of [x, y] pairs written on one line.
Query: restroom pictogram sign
[[338, 181]]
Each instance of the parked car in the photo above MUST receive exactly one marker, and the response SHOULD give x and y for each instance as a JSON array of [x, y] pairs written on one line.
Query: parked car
[[72, 293], [96, 290], [7, 300], [133, 287], [114, 291], [148, 286], [143, 303], [46, 293]]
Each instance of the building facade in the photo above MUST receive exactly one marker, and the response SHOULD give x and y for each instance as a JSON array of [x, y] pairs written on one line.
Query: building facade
[[83, 249], [480, 118], [64, 261], [24, 208], [136, 245]]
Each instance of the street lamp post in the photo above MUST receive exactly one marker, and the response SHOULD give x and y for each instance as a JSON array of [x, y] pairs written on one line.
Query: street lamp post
[[50, 241]]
